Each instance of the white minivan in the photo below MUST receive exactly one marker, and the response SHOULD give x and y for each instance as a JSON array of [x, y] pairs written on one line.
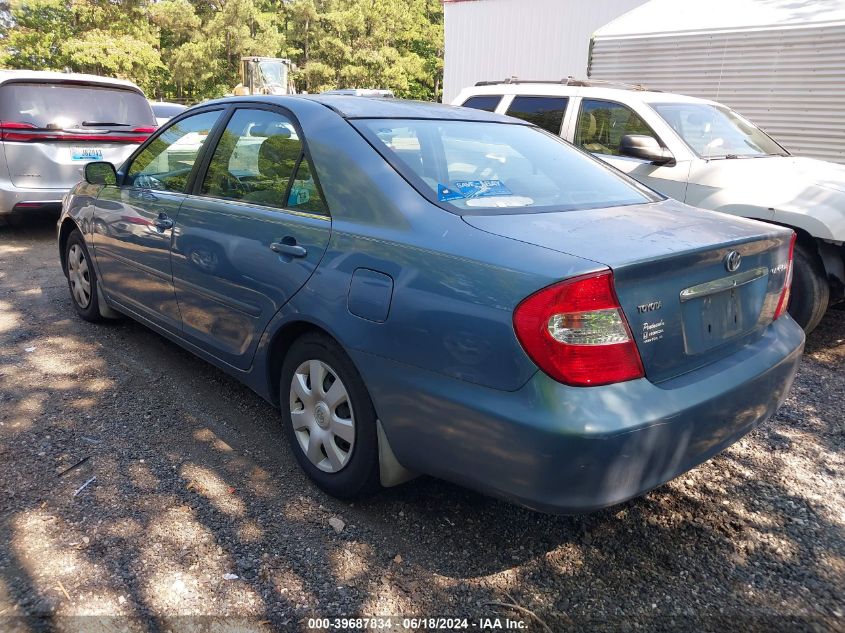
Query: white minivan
[[702, 153], [52, 124]]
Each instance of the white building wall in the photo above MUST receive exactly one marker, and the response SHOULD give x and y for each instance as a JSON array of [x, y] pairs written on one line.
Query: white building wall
[[531, 39], [778, 62]]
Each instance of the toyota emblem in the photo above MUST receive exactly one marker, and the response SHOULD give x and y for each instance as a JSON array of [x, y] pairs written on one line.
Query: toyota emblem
[[732, 261]]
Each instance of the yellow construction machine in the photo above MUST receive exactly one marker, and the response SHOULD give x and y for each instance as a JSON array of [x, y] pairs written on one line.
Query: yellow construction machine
[[264, 76]]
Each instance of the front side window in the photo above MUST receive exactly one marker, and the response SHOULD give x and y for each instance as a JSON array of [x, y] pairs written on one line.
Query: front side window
[[714, 131], [166, 163], [489, 103], [602, 124], [544, 112], [260, 159], [482, 167]]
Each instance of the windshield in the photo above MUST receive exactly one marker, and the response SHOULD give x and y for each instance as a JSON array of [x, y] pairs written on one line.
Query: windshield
[[714, 131], [65, 105], [274, 73], [481, 166]]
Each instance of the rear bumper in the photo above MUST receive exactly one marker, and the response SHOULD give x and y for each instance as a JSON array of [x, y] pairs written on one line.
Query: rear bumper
[[15, 200], [570, 450]]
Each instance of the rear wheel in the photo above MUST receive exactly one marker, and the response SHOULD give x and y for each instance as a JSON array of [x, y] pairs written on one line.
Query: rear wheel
[[810, 294], [81, 278], [329, 418]]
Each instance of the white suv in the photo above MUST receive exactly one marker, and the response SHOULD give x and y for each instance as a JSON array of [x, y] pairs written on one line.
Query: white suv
[[52, 124], [702, 153]]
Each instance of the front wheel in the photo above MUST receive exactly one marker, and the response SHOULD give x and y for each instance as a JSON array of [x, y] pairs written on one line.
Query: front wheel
[[329, 418], [810, 293], [81, 278]]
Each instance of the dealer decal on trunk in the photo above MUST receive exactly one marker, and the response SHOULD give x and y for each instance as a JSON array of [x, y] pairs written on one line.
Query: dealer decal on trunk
[[653, 331]]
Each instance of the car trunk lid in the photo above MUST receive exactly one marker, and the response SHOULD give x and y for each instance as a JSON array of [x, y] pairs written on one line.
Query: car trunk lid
[[672, 273]]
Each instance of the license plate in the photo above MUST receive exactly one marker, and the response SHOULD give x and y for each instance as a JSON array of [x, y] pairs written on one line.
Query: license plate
[[721, 315], [86, 153]]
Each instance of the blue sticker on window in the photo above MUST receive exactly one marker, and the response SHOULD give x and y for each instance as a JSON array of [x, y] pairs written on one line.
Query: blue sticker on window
[[482, 188], [444, 193], [299, 194]]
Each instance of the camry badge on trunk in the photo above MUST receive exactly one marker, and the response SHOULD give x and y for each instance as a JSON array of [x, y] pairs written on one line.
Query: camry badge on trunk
[[732, 261]]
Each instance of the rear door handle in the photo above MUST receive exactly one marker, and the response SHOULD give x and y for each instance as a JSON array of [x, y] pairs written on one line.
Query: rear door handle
[[293, 250], [162, 222]]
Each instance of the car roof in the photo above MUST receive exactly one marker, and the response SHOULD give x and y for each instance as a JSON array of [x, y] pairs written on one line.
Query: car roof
[[52, 76], [350, 107], [544, 89], [167, 106]]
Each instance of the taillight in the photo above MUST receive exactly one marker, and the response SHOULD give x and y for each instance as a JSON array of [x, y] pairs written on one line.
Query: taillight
[[783, 302], [575, 331], [141, 134], [26, 132], [15, 131]]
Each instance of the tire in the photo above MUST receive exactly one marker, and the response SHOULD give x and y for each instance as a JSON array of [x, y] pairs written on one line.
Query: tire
[[81, 278], [343, 461], [810, 293]]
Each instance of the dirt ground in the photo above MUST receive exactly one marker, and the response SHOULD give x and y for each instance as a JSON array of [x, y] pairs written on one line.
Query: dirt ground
[[190, 483]]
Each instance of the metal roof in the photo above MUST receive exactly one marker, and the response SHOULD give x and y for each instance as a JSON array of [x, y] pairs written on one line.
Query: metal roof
[[49, 75], [781, 63], [672, 17]]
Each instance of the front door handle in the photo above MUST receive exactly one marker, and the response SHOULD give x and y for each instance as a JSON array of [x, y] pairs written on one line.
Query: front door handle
[[162, 222], [293, 250]]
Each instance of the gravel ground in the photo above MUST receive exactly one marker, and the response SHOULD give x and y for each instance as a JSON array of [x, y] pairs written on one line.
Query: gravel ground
[[194, 482]]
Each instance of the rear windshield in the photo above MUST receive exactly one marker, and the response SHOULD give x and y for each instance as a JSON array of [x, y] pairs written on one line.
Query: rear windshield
[[167, 110], [64, 106], [475, 166]]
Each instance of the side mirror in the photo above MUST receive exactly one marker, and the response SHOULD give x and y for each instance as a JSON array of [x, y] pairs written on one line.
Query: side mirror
[[646, 148], [100, 173]]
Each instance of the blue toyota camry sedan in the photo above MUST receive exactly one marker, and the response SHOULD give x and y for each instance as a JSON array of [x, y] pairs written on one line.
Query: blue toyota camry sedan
[[429, 289]]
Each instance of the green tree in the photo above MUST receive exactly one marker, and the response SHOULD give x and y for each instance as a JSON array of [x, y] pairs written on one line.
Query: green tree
[[191, 49], [34, 37]]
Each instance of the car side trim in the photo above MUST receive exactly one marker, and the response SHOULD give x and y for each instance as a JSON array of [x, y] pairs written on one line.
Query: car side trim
[[253, 205], [134, 264]]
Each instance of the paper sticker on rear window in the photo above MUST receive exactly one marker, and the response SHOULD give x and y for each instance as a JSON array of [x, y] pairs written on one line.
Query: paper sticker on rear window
[[482, 188]]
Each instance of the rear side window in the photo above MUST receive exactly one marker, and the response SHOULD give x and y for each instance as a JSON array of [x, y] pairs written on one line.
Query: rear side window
[[66, 106], [304, 194], [260, 159], [544, 112], [483, 102]]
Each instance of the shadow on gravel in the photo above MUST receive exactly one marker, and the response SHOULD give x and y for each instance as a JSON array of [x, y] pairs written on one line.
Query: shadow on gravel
[[194, 482]]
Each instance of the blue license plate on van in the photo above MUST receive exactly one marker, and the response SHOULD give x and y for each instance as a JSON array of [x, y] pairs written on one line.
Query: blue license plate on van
[[86, 153]]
